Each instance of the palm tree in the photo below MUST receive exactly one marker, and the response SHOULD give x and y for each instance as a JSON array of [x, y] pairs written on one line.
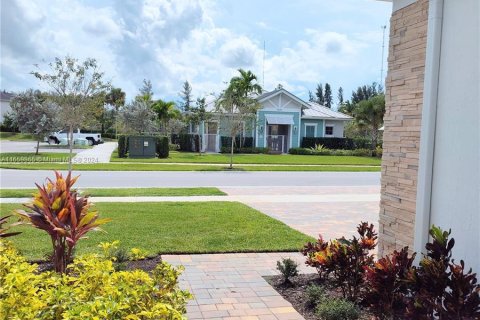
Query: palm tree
[[237, 104], [115, 98], [165, 111], [244, 84], [370, 113]]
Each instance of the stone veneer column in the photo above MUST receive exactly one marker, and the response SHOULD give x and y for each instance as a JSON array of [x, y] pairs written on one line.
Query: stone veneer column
[[401, 138]]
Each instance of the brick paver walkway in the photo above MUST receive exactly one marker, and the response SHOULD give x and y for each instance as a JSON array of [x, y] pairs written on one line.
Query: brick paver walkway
[[231, 286]]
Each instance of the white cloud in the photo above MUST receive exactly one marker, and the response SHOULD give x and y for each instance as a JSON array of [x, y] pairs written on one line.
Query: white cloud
[[167, 42]]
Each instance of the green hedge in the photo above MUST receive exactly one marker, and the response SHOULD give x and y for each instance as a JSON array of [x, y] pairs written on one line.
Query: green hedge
[[245, 142], [330, 152], [337, 143], [186, 142], [162, 147], [122, 146], [245, 150]]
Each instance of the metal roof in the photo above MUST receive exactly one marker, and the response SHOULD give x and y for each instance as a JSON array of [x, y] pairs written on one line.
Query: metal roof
[[6, 95], [316, 110]]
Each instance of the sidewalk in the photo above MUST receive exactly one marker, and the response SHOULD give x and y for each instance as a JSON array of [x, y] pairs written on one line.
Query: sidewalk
[[231, 286], [98, 154]]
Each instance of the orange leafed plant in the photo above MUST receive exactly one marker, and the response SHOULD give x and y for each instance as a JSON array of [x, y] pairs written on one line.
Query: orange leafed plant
[[64, 214]]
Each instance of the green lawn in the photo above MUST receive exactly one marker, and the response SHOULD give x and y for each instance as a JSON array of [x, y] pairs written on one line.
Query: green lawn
[[124, 192], [31, 157], [15, 136], [178, 227], [190, 157], [180, 167]]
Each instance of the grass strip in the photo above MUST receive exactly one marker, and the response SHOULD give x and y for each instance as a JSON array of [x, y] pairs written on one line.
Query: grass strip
[[174, 227], [124, 192]]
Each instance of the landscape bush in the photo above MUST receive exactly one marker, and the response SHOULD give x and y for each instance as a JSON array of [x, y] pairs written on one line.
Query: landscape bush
[[316, 151], [337, 309], [162, 147], [122, 146], [91, 289], [314, 294], [288, 268], [240, 142], [187, 142], [59, 210], [252, 150], [345, 260], [337, 143], [393, 287], [440, 288]]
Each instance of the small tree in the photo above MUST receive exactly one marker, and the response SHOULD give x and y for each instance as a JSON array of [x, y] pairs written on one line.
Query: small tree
[[186, 96], [34, 115], [197, 115], [237, 106], [138, 117], [74, 86]]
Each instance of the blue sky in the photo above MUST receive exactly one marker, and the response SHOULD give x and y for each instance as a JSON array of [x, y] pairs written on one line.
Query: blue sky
[[204, 42]]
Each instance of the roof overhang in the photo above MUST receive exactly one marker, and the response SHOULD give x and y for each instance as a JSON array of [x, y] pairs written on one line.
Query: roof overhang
[[280, 119]]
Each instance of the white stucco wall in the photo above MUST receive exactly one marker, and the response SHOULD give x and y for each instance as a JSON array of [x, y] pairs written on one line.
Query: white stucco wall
[[455, 199]]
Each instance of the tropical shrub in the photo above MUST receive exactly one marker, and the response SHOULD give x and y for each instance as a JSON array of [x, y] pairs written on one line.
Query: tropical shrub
[[337, 143], [439, 287], [337, 309], [3, 230], [92, 289], [386, 283], [60, 211], [345, 260], [288, 268]]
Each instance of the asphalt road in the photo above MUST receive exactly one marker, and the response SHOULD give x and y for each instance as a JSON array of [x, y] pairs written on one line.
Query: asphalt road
[[118, 179]]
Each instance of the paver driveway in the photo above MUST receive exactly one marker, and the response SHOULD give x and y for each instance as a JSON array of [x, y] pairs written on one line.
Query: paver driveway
[[231, 286]]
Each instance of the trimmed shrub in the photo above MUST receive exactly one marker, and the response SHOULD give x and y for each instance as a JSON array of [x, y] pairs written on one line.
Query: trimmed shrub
[[288, 268], [245, 142], [252, 150], [315, 294], [162, 147], [337, 143], [337, 309], [122, 146], [92, 289], [302, 151], [186, 142]]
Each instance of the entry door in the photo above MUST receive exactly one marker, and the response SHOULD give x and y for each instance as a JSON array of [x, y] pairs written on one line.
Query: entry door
[[212, 129]]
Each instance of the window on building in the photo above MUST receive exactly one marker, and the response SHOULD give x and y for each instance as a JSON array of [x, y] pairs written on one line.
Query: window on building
[[310, 131], [329, 130]]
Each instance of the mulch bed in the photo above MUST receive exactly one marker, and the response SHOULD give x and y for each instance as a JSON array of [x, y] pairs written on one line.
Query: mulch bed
[[147, 264], [295, 294]]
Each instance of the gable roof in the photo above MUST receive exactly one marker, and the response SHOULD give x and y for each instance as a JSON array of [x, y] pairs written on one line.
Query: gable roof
[[268, 95], [316, 110]]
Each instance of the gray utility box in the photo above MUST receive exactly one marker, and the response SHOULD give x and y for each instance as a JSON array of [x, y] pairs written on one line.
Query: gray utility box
[[141, 147]]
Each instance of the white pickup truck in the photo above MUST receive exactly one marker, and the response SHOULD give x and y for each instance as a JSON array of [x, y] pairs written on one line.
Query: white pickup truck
[[62, 137]]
